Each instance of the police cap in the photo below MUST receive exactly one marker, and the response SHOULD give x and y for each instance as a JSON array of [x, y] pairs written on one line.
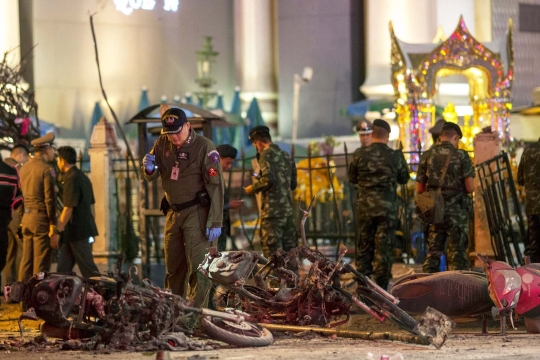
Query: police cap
[[45, 140], [383, 124], [452, 126], [257, 131], [172, 121], [227, 151], [437, 128], [364, 127]]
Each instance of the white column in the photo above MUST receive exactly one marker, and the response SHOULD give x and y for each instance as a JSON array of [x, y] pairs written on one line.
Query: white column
[[103, 151], [9, 30], [254, 54], [414, 21]]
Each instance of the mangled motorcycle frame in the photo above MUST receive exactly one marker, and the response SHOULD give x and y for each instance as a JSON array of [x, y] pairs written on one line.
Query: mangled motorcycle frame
[[111, 309], [317, 299]]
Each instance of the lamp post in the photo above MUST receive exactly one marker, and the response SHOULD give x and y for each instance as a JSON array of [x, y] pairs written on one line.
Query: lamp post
[[307, 74], [206, 62]]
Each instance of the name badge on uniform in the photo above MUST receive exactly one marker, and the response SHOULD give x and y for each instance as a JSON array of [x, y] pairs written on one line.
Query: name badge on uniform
[[182, 155], [174, 172]]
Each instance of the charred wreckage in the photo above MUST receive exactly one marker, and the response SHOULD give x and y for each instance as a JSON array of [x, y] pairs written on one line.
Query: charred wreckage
[[268, 294]]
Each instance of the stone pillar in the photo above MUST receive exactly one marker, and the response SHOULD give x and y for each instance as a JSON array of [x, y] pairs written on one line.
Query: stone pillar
[[103, 151], [486, 146], [9, 30], [254, 54]]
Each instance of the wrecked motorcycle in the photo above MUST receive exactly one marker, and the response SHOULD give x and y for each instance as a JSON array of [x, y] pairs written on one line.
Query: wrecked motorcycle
[[514, 289], [111, 310], [316, 299], [456, 293]]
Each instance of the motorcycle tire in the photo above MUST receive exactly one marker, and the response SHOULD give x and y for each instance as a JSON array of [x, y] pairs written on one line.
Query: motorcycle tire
[[397, 315], [245, 334]]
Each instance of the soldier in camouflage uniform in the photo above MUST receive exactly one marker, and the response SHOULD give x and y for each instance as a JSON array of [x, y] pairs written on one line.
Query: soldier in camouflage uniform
[[377, 169], [529, 176], [457, 183], [276, 180], [191, 176]]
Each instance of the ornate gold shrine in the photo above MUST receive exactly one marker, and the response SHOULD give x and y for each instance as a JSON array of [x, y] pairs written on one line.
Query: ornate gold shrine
[[488, 70]]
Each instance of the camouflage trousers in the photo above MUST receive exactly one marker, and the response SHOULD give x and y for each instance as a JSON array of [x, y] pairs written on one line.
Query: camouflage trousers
[[278, 233], [376, 236], [533, 235], [453, 234]]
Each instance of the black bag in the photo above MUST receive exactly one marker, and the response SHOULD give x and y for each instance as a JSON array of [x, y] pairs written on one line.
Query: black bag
[[430, 204]]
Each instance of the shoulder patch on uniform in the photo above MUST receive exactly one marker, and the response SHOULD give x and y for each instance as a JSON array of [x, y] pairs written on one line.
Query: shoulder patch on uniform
[[214, 156], [212, 172]]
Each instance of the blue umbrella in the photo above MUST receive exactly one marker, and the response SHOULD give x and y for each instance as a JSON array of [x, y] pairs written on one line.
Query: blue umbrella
[[188, 99], [220, 135], [143, 100], [254, 117], [237, 133]]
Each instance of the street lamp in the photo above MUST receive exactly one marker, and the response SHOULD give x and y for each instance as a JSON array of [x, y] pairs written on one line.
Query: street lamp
[[206, 62], [307, 74]]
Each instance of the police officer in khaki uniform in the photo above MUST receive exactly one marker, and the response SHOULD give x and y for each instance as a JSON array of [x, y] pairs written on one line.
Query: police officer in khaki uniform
[[39, 219], [192, 179], [364, 128]]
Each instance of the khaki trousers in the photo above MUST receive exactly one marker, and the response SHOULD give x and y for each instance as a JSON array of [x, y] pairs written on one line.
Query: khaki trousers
[[185, 248], [37, 250]]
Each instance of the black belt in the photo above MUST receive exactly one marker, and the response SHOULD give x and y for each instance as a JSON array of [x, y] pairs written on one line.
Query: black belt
[[182, 206]]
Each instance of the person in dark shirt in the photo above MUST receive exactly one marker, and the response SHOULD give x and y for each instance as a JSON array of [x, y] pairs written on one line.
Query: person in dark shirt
[[76, 224], [10, 198], [529, 176], [227, 155], [18, 157]]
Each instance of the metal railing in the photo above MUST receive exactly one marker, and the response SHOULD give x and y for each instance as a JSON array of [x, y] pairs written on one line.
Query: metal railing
[[503, 209], [333, 222]]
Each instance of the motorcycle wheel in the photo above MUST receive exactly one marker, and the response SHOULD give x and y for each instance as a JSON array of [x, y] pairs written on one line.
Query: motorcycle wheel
[[244, 334], [397, 315]]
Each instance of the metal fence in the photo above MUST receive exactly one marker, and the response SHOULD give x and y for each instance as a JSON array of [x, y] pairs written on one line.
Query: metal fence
[[503, 209], [332, 222]]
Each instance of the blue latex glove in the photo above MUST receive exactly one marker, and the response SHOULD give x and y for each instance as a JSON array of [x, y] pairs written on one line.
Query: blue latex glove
[[149, 162], [213, 233]]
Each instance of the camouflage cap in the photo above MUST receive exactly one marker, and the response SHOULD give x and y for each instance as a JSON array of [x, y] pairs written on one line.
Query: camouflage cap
[[437, 128], [258, 130], [452, 126], [172, 121], [45, 140], [383, 124], [364, 127]]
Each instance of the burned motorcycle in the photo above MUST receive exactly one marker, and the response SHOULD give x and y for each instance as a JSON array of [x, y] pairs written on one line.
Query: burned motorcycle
[[456, 293], [115, 312], [316, 299]]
